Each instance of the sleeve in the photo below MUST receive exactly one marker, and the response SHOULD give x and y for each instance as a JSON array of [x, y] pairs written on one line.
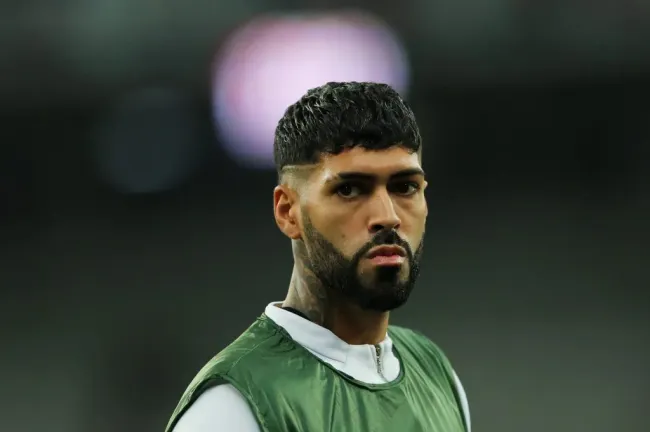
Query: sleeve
[[219, 409], [463, 402]]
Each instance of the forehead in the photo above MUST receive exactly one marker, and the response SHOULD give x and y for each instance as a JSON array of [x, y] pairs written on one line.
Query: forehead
[[379, 163]]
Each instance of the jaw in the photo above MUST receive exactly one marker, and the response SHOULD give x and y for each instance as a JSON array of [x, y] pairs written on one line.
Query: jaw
[[371, 275]]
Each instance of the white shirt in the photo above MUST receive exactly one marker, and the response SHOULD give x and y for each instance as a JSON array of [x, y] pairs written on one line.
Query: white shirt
[[224, 409]]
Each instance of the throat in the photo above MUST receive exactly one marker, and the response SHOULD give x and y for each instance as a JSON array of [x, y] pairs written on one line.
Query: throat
[[308, 298], [353, 327]]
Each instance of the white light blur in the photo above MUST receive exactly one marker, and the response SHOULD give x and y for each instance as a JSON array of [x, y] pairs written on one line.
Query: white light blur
[[270, 63]]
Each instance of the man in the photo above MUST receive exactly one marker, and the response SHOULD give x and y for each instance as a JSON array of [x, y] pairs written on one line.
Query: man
[[351, 199]]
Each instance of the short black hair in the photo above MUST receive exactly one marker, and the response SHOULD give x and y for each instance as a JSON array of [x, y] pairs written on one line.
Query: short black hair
[[341, 115]]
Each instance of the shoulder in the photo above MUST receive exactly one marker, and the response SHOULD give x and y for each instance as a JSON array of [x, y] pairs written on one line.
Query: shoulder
[[230, 366], [220, 408], [410, 339], [416, 348], [417, 344], [261, 339]]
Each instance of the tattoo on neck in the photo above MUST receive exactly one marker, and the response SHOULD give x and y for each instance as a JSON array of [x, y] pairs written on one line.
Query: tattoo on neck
[[306, 292]]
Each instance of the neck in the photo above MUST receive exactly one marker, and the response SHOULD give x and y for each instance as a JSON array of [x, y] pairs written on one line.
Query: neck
[[347, 321]]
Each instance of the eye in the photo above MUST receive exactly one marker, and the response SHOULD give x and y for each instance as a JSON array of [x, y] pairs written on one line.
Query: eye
[[348, 190], [405, 188]]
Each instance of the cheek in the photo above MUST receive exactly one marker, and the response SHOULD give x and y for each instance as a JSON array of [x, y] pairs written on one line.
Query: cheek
[[414, 224], [345, 241], [347, 238], [335, 228]]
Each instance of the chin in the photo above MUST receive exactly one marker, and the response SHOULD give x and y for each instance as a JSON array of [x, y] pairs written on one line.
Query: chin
[[384, 304], [382, 290], [384, 297]]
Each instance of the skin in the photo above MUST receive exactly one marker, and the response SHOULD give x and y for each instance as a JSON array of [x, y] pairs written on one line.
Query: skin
[[349, 214]]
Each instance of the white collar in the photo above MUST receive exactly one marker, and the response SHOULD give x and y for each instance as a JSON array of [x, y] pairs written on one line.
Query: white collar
[[325, 344]]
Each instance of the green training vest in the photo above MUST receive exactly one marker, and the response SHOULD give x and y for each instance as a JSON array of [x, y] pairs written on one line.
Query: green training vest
[[290, 390]]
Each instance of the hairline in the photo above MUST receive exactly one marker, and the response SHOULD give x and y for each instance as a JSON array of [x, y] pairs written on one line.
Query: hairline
[[302, 171]]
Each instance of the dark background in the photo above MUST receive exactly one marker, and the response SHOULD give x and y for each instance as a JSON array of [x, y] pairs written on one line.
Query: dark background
[[537, 131]]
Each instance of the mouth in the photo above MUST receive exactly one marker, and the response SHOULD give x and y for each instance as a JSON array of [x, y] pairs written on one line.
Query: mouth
[[387, 255]]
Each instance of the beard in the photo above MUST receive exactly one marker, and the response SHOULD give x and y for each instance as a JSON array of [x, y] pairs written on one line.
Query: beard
[[379, 289]]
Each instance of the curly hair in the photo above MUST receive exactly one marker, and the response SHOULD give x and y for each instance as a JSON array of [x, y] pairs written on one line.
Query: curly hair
[[341, 115]]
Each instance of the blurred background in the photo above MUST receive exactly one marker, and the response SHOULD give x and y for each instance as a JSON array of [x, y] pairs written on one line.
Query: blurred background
[[136, 228]]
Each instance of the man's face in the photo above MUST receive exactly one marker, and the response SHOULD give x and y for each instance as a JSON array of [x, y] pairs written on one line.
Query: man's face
[[363, 217]]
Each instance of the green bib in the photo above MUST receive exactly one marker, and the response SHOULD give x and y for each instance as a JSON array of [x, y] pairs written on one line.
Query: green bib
[[291, 390]]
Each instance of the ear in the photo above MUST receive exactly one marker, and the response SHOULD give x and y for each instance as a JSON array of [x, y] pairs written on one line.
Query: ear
[[287, 211]]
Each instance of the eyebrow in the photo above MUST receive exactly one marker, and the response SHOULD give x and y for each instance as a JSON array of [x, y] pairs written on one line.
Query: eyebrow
[[357, 175]]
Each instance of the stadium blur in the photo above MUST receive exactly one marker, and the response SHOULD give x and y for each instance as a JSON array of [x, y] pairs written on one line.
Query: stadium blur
[[136, 228]]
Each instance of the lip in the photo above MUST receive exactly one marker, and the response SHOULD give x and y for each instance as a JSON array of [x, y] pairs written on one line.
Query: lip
[[387, 261], [386, 251]]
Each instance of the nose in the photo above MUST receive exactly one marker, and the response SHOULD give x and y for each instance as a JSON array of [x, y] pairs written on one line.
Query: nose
[[382, 213]]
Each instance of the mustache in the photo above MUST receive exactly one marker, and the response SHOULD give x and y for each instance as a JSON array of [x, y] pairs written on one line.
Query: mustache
[[386, 237]]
